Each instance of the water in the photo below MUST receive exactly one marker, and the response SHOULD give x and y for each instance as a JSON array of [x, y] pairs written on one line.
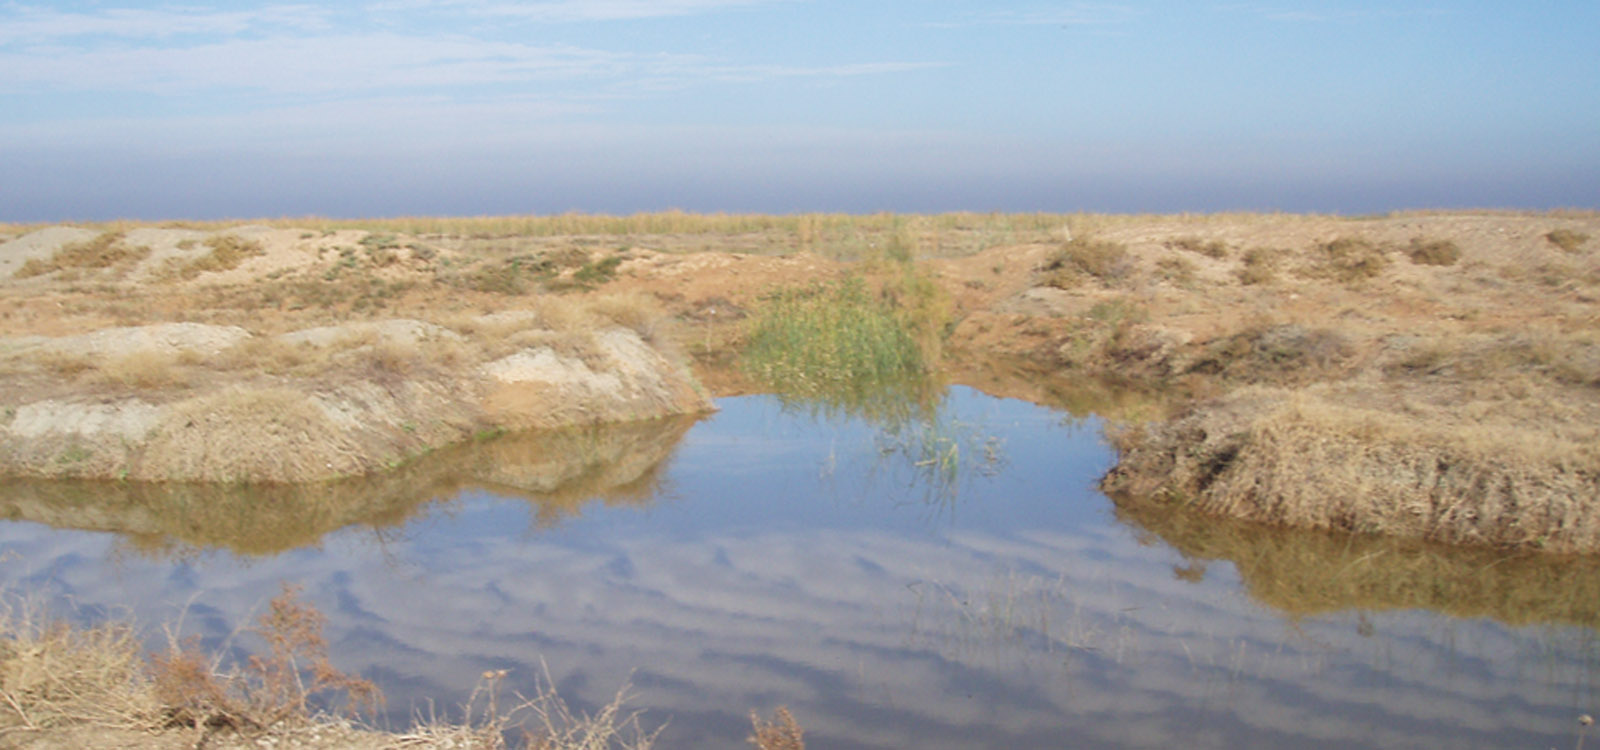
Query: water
[[949, 581]]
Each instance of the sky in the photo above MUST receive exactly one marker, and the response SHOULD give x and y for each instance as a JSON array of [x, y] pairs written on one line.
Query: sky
[[470, 107]]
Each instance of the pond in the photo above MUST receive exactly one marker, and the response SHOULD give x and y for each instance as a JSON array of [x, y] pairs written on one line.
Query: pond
[[945, 578]]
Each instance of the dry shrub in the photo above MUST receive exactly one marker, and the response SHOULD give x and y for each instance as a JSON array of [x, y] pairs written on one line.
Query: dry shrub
[[554, 725], [1566, 239], [1348, 260], [268, 689], [782, 733], [105, 251], [1276, 354], [1433, 252], [1260, 266], [1177, 270], [1066, 267], [1214, 249]]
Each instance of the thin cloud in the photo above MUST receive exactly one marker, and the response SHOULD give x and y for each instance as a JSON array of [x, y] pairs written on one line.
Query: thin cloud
[[568, 11], [1081, 14], [41, 25], [1326, 15]]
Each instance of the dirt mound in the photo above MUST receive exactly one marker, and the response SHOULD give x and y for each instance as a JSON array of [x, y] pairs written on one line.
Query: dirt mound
[[1301, 459], [378, 400], [39, 245]]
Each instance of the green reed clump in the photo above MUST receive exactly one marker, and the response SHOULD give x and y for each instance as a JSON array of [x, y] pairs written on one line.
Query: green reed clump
[[837, 342]]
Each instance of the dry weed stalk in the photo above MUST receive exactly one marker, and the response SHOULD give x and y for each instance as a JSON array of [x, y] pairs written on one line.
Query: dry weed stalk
[[782, 733]]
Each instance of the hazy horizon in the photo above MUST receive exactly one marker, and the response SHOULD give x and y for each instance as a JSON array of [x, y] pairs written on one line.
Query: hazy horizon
[[472, 107]]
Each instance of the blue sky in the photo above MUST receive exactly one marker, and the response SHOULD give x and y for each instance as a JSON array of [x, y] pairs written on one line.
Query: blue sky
[[390, 107]]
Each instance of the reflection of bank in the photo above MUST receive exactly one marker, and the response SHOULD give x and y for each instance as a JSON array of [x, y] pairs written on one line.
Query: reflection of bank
[[1311, 572], [556, 471]]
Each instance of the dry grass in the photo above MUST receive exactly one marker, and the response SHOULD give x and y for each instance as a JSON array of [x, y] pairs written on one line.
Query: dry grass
[[1568, 240], [1301, 460], [270, 434], [227, 253], [1216, 249], [147, 370], [64, 681], [1348, 260], [108, 251], [1433, 252], [53, 674], [1258, 266], [1078, 258], [781, 733]]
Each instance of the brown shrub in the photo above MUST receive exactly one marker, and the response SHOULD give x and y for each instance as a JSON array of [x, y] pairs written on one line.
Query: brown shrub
[[1106, 261], [1348, 260], [1260, 266], [1433, 252], [1566, 239]]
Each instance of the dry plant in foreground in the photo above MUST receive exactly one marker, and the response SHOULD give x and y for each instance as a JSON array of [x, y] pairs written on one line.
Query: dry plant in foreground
[[268, 689], [782, 733]]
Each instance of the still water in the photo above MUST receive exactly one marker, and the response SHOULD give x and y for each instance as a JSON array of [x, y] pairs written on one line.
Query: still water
[[950, 579]]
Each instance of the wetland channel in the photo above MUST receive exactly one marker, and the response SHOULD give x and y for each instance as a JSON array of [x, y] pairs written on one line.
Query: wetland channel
[[948, 578]]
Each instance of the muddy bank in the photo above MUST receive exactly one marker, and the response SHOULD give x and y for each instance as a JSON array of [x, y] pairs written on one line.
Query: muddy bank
[[350, 401]]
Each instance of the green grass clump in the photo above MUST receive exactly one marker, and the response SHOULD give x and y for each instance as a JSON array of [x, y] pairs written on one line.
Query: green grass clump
[[1566, 239], [835, 342], [1433, 252]]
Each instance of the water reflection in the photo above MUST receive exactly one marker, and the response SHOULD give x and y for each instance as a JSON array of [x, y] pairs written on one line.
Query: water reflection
[[765, 573], [556, 472], [1309, 572]]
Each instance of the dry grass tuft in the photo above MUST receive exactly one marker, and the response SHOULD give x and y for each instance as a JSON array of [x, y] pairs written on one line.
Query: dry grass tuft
[[1214, 249], [53, 674], [147, 370], [106, 251], [1260, 266], [1068, 265], [1566, 239], [1348, 260], [1433, 252], [782, 733], [227, 253]]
